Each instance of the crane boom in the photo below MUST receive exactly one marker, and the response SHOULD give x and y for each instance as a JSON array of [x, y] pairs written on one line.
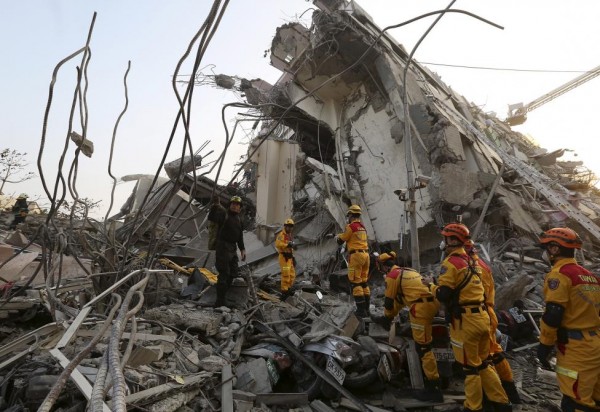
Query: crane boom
[[517, 113]]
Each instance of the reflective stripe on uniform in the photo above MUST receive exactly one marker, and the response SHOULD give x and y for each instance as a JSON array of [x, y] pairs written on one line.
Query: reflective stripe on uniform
[[456, 343], [566, 372], [417, 326]]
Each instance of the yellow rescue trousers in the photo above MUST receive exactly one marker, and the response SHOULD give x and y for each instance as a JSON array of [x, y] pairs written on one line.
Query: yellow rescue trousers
[[470, 339], [288, 272], [421, 318], [578, 367], [500, 363], [358, 273]]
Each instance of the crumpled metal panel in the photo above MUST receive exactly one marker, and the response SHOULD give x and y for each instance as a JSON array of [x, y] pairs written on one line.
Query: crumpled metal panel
[[317, 227]]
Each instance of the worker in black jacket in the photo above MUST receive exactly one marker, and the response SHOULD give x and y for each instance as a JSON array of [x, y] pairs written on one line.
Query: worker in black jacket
[[20, 210], [229, 239]]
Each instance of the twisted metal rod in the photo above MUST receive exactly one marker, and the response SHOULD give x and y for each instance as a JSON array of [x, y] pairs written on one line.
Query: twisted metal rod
[[54, 393]]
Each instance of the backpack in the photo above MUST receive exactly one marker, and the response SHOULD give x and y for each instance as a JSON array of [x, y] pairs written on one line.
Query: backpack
[[213, 232]]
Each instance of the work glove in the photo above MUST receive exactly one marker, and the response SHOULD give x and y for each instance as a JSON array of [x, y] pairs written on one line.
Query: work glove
[[384, 322], [543, 353], [292, 245]]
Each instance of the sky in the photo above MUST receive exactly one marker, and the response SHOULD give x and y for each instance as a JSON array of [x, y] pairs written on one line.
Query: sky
[[548, 35]]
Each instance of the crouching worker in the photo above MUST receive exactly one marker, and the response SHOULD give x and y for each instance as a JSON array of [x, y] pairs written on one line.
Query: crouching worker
[[404, 287], [284, 243]]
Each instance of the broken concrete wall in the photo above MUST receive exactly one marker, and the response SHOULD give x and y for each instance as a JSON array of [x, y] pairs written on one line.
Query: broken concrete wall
[[276, 175], [349, 114]]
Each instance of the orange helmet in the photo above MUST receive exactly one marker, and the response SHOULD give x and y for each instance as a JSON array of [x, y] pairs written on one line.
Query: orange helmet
[[563, 236], [458, 230], [384, 257]]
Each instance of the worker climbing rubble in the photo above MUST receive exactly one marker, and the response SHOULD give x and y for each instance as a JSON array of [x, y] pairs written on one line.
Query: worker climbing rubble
[[571, 322], [355, 237], [228, 239], [405, 287], [20, 210], [284, 243], [496, 353], [461, 290]]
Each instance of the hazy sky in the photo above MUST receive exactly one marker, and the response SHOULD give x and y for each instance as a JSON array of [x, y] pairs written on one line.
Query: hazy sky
[[548, 35]]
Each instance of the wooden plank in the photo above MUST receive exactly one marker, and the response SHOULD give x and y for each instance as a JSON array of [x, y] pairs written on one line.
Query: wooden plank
[[165, 388], [282, 398], [226, 389], [68, 336], [77, 377], [90, 333]]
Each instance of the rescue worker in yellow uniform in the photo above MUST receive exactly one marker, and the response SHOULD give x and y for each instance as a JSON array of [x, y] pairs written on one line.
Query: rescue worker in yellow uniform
[[461, 290], [571, 322], [404, 287], [284, 243], [355, 237], [500, 363]]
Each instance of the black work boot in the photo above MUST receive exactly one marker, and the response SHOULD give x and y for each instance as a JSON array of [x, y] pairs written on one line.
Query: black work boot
[[368, 305], [499, 407], [221, 292], [361, 312], [511, 392], [431, 392]]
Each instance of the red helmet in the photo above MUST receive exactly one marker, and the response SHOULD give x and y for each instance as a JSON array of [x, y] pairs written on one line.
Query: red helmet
[[457, 230], [564, 236]]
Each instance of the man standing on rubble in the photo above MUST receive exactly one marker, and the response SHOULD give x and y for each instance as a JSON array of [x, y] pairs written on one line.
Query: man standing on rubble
[[284, 243], [355, 237], [405, 287], [461, 290], [497, 358], [571, 322], [230, 237]]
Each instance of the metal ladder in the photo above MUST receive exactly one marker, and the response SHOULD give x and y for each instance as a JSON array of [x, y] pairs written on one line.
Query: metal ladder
[[540, 182]]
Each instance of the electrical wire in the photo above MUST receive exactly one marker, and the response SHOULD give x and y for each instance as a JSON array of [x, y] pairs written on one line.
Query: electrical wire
[[505, 69]]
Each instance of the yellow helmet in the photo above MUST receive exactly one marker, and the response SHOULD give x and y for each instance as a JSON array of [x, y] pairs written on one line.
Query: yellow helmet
[[288, 222], [236, 199], [354, 210], [384, 257]]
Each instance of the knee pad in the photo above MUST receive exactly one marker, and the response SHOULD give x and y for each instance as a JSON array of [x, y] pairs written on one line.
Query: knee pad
[[471, 370], [422, 349], [497, 358]]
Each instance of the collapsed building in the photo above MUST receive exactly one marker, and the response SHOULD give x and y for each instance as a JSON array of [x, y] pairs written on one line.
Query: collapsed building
[[336, 135], [333, 132]]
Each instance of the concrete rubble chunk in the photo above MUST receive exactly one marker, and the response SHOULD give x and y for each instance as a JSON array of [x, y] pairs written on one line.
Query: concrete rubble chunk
[[201, 320], [253, 376]]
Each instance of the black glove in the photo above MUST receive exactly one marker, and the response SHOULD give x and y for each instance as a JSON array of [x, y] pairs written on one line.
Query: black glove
[[384, 322], [543, 353], [292, 245]]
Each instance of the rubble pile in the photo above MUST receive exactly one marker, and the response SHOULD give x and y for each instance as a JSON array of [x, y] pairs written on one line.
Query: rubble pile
[[259, 353]]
